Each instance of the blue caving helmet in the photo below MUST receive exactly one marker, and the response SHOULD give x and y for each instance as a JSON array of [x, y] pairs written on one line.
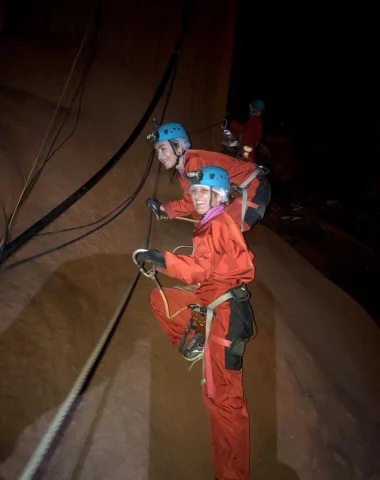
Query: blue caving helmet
[[258, 104], [169, 131], [211, 177]]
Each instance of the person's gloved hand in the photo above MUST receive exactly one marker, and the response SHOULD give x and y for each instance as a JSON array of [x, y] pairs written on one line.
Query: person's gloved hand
[[154, 205], [151, 256]]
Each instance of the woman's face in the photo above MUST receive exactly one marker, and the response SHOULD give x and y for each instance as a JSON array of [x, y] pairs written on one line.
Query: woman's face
[[202, 198]]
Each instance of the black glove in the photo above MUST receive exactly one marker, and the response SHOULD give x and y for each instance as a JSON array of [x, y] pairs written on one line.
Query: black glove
[[151, 256], [154, 205]]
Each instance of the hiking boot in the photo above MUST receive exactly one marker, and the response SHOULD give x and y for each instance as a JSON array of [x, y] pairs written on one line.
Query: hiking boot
[[195, 348]]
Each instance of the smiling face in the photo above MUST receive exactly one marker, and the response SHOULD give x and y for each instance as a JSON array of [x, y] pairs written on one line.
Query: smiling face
[[200, 195], [166, 154]]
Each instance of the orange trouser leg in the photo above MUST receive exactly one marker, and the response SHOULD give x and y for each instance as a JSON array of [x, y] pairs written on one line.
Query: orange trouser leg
[[177, 299], [229, 422]]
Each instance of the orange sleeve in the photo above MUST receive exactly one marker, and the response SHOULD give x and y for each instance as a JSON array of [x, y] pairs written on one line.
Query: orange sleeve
[[199, 266], [195, 268], [219, 252], [179, 208], [185, 206]]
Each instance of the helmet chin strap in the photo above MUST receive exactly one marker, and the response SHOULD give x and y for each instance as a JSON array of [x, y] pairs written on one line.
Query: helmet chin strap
[[178, 157], [210, 202]]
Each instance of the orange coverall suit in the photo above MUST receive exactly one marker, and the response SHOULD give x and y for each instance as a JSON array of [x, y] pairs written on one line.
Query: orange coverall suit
[[251, 132], [238, 170], [221, 260]]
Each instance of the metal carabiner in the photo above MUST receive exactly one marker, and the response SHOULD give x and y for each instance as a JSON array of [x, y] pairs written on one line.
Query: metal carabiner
[[150, 273], [265, 170]]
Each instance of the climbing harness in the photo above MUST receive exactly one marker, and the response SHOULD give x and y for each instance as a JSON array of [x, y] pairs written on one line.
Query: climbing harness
[[239, 193], [236, 346], [200, 321], [197, 323]]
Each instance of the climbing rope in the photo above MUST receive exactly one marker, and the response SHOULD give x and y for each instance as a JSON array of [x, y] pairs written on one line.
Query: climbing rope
[[161, 290], [90, 365], [50, 126], [38, 455], [182, 219], [166, 303], [152, 275]]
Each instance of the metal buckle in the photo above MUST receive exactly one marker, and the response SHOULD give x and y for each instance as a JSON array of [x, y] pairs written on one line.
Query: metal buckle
[[264, 170], [240, 293]]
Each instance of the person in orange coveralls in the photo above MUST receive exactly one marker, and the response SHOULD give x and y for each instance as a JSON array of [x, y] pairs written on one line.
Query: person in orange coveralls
[[220, 265], [251, 187], [252, 131]]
